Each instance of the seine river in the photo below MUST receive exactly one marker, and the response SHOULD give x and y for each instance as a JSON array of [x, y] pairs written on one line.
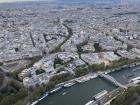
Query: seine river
[[80, 94]]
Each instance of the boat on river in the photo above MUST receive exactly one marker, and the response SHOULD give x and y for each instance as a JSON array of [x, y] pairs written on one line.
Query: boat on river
[[69, 84], [44, 96], [136, 69], [101, 94], [35, 102], [134, 79], [92, 76], [64, 93], [41, 98], [89, 103], [55, 89]]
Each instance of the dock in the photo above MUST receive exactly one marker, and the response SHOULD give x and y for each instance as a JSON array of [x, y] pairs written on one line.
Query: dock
[[106, 99], [110, 96]]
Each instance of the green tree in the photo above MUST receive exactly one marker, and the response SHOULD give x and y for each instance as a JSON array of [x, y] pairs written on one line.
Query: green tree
[[19, 103], [21, 93], [81, 72], [8, 100]]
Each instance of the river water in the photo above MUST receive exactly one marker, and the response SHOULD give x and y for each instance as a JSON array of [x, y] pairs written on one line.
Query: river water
[[80, 94]]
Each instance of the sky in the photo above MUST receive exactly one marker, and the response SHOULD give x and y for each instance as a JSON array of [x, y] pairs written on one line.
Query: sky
[[123, 1], [4, 1]]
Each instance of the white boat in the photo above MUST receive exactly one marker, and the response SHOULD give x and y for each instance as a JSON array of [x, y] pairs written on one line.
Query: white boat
[[93, 76], [55, 89], [106, 72], [132, 65], [44, 96], [89, 103], [135, 69], [83, 79], [35, 102], [136, 82], [64, 93], [101, 94], [117, 69], [134, 79], [113, 70], [69, 84]]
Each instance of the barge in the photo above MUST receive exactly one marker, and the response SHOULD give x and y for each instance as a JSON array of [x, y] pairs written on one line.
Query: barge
[[101, 94], [69, 84], [55, 89]]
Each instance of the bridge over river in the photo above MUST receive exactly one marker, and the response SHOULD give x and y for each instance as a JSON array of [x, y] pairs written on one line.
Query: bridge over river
[[113, 80]]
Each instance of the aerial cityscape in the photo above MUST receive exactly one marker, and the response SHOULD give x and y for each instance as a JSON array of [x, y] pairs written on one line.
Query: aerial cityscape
[[78, 52]]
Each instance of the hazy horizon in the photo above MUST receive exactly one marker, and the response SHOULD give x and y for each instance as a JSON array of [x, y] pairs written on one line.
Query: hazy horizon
[[10, 1], [5, 1]]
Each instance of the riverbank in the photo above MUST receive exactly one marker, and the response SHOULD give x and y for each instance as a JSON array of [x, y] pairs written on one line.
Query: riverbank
[[93, 75], [127, 97]]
